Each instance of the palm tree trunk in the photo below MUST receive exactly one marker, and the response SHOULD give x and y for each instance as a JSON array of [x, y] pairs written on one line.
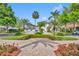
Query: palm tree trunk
[[23, 27], [7, 28], [54, 30], [35, 24]]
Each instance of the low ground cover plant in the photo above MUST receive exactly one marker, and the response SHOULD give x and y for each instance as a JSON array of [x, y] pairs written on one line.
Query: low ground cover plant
[[9, 50], [67, 50]]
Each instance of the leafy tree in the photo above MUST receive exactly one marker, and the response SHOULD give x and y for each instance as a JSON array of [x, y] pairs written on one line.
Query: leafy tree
[[7, 21], [7, 17], [70, 15], [21, 23], [74, 7]]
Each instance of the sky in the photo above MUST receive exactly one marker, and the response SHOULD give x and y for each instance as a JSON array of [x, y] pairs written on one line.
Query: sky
[[25, 10]]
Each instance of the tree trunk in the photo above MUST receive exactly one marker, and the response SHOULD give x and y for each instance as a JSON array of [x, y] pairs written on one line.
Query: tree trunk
[[54, 30], [7, 28], [65, 27], [74, 26], [35, 24], [23, 27]]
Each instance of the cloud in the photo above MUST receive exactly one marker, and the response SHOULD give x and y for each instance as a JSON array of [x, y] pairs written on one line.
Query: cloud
[[58, 8]]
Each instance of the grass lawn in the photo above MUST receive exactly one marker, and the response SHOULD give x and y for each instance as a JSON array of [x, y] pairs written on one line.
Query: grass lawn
[[27, 36], [13, 37], [66, 38]]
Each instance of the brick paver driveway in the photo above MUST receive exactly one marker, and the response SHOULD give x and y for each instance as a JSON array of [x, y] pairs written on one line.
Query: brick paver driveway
[[37, 46]]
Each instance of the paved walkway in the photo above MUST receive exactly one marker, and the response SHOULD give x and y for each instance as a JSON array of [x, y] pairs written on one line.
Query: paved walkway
[[37, 46]]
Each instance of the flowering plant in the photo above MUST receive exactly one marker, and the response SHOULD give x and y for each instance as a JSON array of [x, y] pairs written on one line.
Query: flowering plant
[[67, 50]]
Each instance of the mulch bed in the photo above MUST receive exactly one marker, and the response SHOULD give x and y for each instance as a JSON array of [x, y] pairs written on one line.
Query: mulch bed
[[9, 50]]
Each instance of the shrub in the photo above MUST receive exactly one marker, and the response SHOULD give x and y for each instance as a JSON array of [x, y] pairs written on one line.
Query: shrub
[[12, 30], [18, 33], [39, 33], [24, 37], [8, 50], [41, 36], [60, 34], [67, 50]]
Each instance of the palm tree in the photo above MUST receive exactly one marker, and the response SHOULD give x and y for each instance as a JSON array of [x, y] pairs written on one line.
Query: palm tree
[[35, 15], [54, 21]]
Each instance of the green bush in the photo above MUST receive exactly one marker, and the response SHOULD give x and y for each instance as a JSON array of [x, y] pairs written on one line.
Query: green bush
[[41, 36], [39, 33], [65, 38], [24, 37], [12, 30], [60, 33], [18, 33]]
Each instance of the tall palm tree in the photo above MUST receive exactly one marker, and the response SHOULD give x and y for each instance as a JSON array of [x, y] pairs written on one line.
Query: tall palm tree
[[54, 21], [35, 15]]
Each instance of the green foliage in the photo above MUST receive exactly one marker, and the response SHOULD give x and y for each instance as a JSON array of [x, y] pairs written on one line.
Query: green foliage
[[18, 37], [60, 34], [54, 20], [39, 33], [28, 36], [42, 23], [7, 17], [41, 36], [13, 30], [23, 37], [70, 14], [24, 22], [35, 15], [63, 19], [65, 38], [18, 33]]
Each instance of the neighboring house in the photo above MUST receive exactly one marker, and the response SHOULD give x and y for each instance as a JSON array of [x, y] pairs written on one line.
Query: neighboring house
[[29, 28], [71, 26], [2, 28], [12, 28]]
